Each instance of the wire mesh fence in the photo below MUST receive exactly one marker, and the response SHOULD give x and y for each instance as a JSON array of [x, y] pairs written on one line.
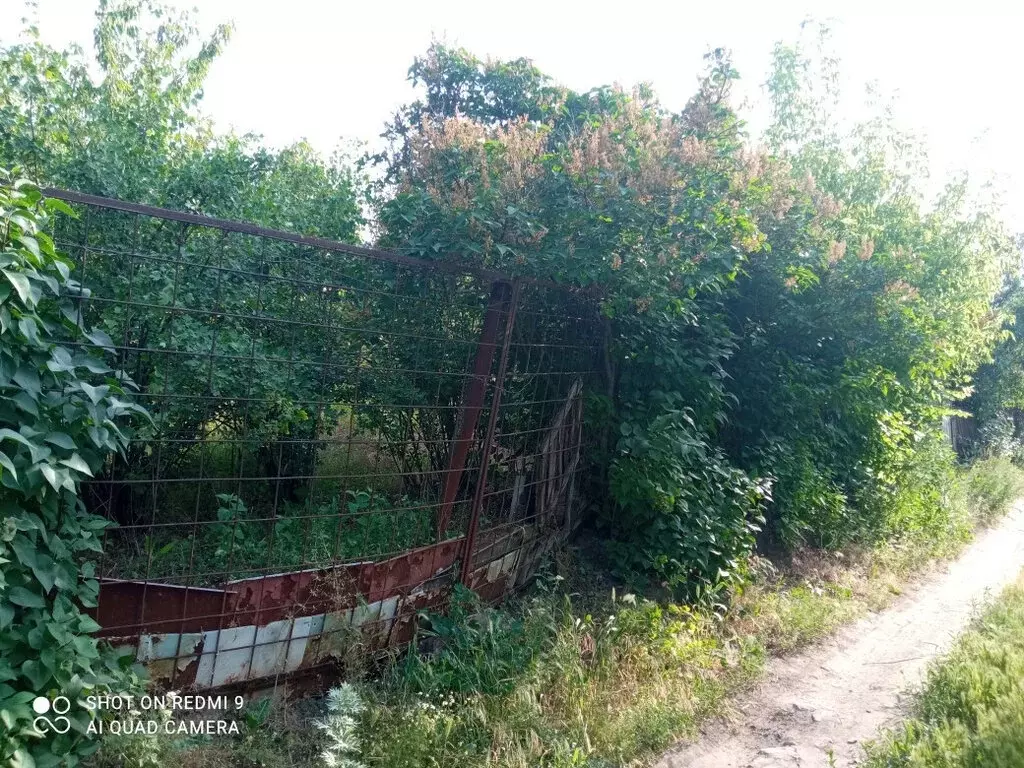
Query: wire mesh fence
[[338, 435]]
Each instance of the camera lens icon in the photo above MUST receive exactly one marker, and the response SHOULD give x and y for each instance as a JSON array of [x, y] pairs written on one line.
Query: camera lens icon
[[60, 706]]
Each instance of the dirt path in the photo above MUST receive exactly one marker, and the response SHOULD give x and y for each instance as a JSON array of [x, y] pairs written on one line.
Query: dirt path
[[839, 693]]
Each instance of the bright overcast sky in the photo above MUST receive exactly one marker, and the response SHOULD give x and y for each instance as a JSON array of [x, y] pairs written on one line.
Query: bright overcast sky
[[329, 71]]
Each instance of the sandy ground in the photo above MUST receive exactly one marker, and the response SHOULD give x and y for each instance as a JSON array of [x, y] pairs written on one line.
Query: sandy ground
[[841, 692]]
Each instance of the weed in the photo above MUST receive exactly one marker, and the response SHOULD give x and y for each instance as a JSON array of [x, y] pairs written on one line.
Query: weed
[[992, 485], [970, 713], [242, 542]]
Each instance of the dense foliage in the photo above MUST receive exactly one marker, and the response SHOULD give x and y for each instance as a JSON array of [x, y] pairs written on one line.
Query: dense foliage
[[784, 324], [127, 127], [63, 412], [787, 317]]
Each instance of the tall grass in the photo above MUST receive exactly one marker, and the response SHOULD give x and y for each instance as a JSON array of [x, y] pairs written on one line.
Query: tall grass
[[970, 713]]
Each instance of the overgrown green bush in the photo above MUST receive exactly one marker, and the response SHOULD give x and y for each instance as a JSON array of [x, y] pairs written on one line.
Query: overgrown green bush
[[63, 414], [125, 124], [243, 542], [478, 650], [696, 516], [549, 686], [789, 317]]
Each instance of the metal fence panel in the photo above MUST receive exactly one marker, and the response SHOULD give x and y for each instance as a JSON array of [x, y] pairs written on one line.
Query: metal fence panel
[[338, 434]]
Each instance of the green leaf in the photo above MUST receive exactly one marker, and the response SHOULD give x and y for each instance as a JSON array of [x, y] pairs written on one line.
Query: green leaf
[[100, 339], [53, 204], [61, 440], [51, 476], [10, 434], [7, 464], [31, 244], [46, 571], [25, 550], [77, 463], [28, 379], [21, 285], [22, 759], [26, 598], [37, 674], [95, 394]]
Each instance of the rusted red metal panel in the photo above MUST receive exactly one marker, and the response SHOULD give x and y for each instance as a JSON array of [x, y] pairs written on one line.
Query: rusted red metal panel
[[264, 599], [139, 607], [129, 608], [403, 573]]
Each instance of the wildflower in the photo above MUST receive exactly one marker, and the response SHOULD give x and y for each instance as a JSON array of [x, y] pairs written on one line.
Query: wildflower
[[901, 290], [836, 252], [867, 248]]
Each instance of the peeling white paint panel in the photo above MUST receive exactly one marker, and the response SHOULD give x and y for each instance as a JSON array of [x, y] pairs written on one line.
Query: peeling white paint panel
[[234, 651], [204, 674], [268, 656], [305, 628]]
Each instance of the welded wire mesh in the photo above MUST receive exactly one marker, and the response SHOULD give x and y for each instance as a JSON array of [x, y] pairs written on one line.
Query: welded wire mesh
[[322, 418]]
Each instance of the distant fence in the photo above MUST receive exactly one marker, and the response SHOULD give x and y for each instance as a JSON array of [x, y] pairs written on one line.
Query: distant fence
[[962, 433], [339, 434]]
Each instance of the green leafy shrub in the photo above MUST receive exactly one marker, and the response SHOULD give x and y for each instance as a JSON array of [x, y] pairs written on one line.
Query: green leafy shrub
[[797, 305], [917, 498], [695, 517], [339, 727], [241, 541], [63, 412], [811, 507], [125, 124], [137, 749]]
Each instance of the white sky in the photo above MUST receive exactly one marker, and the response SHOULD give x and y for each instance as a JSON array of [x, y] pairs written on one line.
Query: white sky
[[328, 71]]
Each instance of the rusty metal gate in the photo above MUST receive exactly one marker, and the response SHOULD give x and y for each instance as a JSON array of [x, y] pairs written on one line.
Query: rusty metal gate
[[338, 435]]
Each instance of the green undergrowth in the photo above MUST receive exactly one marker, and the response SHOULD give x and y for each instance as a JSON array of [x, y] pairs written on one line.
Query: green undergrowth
[[242, 542], [970, 712], [581, 674]]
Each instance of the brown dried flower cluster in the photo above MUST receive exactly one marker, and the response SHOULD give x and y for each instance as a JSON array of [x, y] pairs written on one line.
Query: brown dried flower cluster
[[649, 154], [517, 163], [836, 252], [901, 290], [867, 249], [757, 166]]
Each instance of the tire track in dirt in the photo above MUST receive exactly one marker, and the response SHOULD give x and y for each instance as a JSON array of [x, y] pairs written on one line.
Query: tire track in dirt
[[841, 692]]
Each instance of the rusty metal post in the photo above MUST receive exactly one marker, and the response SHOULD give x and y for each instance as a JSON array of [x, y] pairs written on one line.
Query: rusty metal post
[[485, 456], [472, 404]]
